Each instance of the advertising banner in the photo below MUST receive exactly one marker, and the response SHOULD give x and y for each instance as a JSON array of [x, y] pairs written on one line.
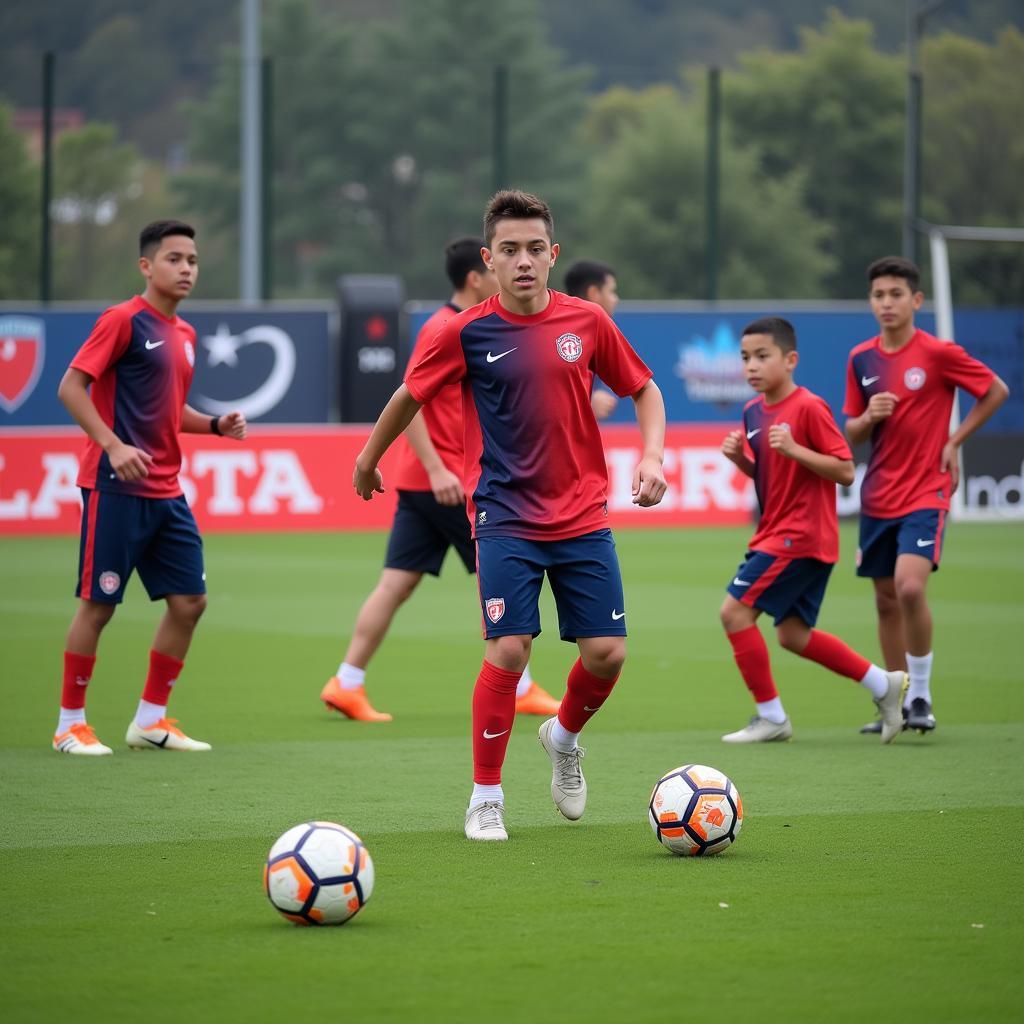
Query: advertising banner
[[301, 479], [277, 366]]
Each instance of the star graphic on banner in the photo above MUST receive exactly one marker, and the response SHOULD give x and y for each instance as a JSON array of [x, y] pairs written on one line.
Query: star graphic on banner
[[223, 346]]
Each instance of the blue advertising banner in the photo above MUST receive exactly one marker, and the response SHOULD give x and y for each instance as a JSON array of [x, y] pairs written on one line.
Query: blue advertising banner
[[275, 365], [696, 361]]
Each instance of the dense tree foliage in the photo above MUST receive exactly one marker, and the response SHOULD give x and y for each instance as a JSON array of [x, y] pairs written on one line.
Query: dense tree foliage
[[383, 136]]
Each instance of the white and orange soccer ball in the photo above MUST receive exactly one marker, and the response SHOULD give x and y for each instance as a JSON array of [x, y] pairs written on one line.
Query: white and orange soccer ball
[[695, 811], [318, 873]]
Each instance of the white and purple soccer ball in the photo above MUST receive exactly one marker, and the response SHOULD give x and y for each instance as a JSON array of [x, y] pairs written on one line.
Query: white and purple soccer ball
[[695, 811], [318, 873]]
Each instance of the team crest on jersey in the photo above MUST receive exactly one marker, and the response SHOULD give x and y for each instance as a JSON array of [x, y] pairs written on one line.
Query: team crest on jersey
[[109, 582], [190, 353], [495, 608], [570, 347], [914, 378]]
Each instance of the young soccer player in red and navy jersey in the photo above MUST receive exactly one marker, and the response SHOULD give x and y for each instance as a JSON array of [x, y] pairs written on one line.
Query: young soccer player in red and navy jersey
[[535, 470], [126, 389], [431, 513], [899, 394], [796, 456]]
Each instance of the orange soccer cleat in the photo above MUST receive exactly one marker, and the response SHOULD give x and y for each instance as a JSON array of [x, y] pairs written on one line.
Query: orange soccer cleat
[[80, 739], [537, 701], [351, 703]]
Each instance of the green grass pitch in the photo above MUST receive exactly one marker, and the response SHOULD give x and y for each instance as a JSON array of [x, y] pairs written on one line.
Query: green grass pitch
[[869, 883]]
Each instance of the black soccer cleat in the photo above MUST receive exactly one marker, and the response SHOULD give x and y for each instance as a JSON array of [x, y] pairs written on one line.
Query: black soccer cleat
[[920, 716], [875, 727]]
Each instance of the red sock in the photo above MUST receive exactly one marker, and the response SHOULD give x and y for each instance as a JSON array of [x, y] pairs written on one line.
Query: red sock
[[77, 673], [163, 674], [751, 654], [494, 711], [830, 651], [584, 695]]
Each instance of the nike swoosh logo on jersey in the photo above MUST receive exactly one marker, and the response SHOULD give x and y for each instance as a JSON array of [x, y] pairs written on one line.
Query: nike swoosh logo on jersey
[[867, 381], [737, 582], [924, 543], [751, 433], [494, 735], [500, 355], [618, 615], [154, 344]]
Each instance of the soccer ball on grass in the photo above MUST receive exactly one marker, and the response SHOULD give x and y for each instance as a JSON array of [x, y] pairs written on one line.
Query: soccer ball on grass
[[318, 873], [695, 811]]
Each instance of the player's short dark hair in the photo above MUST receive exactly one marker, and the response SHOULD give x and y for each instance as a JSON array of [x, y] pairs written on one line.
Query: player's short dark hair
[[896, 266], [584, 273], [153, 234], [462, 256], [781, 331], [512, 204]]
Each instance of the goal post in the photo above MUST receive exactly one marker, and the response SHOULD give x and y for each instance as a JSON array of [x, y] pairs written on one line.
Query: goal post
[[939, 237]]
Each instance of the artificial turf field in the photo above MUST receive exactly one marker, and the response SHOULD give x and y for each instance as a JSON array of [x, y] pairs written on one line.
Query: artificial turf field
[[869, 882]]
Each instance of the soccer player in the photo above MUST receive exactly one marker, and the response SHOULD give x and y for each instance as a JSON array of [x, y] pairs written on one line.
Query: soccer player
[[126, 389], [797, 456], [431, 512], [899, 394], [536, 473], [596, 282]]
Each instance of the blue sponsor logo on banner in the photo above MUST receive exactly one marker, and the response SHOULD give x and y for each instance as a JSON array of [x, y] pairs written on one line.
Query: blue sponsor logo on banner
[[711, 368]]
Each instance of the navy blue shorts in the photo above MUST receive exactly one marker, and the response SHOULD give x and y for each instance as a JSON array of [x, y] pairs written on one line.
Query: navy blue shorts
[[123, 532], [422, 532], [584, 576], [782, 587], [882, 541]]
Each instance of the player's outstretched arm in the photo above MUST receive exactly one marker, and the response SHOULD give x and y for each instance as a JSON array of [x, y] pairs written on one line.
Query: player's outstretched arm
[[231, 424], [396, 416], [445, 485], [983, 409], [830, 467], [649, 479], [732, 449], [127, 462]]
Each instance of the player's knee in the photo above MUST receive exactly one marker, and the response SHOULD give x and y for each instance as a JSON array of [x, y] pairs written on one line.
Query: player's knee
[[96, 614], [187, 608], [886, 603], [399, 585], [909, 592], [605, 656], [793, 638], [510, 652]]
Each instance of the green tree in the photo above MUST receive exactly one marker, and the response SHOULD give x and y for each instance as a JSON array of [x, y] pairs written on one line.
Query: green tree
[[835, 111], [19, 199], [973, 156], [97, 184], [383, 141], [645, 209]]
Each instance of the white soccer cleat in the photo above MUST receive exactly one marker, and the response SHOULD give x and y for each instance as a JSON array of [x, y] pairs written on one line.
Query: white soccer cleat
[[162, 735], [760, 730], [568, 787], [80, 739], [486, 822], [890, 705]]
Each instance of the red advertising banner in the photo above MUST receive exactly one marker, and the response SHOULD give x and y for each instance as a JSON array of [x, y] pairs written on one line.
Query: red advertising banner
[[300, 478]]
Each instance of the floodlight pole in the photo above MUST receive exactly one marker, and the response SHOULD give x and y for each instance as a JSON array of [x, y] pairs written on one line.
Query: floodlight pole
[[252, 191], [917, 14]]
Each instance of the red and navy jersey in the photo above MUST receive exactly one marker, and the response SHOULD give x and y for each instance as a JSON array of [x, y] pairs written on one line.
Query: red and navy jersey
[[141, 366], [534, 461], [906, 449], [443, 417], [798, 507]]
